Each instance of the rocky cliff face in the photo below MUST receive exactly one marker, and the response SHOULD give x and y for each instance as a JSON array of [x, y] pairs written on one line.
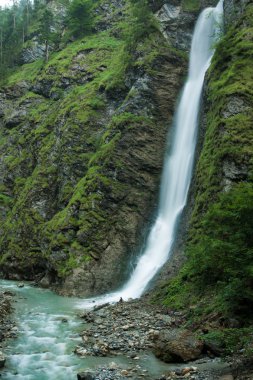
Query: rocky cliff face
[[82, 144], [82, 140], [217, 275]]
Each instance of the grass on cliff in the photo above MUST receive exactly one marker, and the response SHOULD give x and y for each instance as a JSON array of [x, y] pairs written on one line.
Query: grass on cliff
[[28, 71], [191, 5]]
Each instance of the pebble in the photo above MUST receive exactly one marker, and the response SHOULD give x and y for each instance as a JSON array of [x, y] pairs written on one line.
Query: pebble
[[186, 370]]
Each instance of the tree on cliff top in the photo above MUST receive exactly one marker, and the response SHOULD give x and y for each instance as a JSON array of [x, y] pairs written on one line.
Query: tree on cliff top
[[79, 18]]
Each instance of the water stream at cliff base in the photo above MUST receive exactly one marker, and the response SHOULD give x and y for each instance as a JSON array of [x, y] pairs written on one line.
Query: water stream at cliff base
[[47, 323], [48, 331]]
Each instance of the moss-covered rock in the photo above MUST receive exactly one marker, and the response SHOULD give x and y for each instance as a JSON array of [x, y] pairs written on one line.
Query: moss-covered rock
[[82, 140]]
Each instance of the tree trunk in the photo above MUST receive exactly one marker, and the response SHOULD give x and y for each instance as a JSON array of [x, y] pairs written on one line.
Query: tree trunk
[[46, 51]]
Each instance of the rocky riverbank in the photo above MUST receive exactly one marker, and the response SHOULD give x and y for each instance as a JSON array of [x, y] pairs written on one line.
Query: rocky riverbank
[[7, 327], [123, 328], [139, 330]]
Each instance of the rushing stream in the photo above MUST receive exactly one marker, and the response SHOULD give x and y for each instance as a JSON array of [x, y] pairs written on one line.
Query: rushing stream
[[47, 323], [48, 331]]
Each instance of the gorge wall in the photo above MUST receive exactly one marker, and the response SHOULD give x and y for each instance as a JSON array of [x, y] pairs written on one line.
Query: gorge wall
[[82, 141], [82, 144]]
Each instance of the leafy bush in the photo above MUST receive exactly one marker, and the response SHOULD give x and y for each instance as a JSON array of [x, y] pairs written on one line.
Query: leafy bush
[[143, 21], [220, 258], [224, 252], [231, 340]]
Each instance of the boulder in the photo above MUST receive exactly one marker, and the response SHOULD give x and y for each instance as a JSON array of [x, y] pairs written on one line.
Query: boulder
[[177, 345], [15, 118], [87, 375]]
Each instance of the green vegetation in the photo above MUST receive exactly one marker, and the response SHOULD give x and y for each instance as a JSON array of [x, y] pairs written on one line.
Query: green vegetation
[[46, 35], [13, 25], [191, 5], [218, 275], [220, 258], [80, 18], [231, 341]]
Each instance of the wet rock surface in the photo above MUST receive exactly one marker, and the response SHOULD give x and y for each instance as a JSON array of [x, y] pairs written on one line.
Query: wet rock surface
[[115, 372], [233, 9], [204, 369]]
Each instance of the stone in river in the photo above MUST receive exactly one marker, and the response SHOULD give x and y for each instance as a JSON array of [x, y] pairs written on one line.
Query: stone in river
[[2, 359], [85, 376]]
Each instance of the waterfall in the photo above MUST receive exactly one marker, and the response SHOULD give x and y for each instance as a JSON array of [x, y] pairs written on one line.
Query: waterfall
[[178, 164], [41, 314]]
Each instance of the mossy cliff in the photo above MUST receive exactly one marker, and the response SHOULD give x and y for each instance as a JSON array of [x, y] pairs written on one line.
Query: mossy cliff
[[82, 139], [217, 279]]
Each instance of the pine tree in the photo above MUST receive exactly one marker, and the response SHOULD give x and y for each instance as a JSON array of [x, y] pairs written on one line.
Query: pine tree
[[79, 18], [45, 29]]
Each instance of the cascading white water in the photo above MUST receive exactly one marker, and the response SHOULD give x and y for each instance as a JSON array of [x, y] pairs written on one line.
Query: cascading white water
[[178, 164], [44, 346]]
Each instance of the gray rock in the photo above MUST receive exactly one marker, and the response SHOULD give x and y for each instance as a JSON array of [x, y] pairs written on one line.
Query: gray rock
[[214, 347], [177, 345], [233, 9], [168, 12], [235, 105], [34, 51], [15, 118], [233, 172], [176, 25], [43, 87], [85, 376]]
